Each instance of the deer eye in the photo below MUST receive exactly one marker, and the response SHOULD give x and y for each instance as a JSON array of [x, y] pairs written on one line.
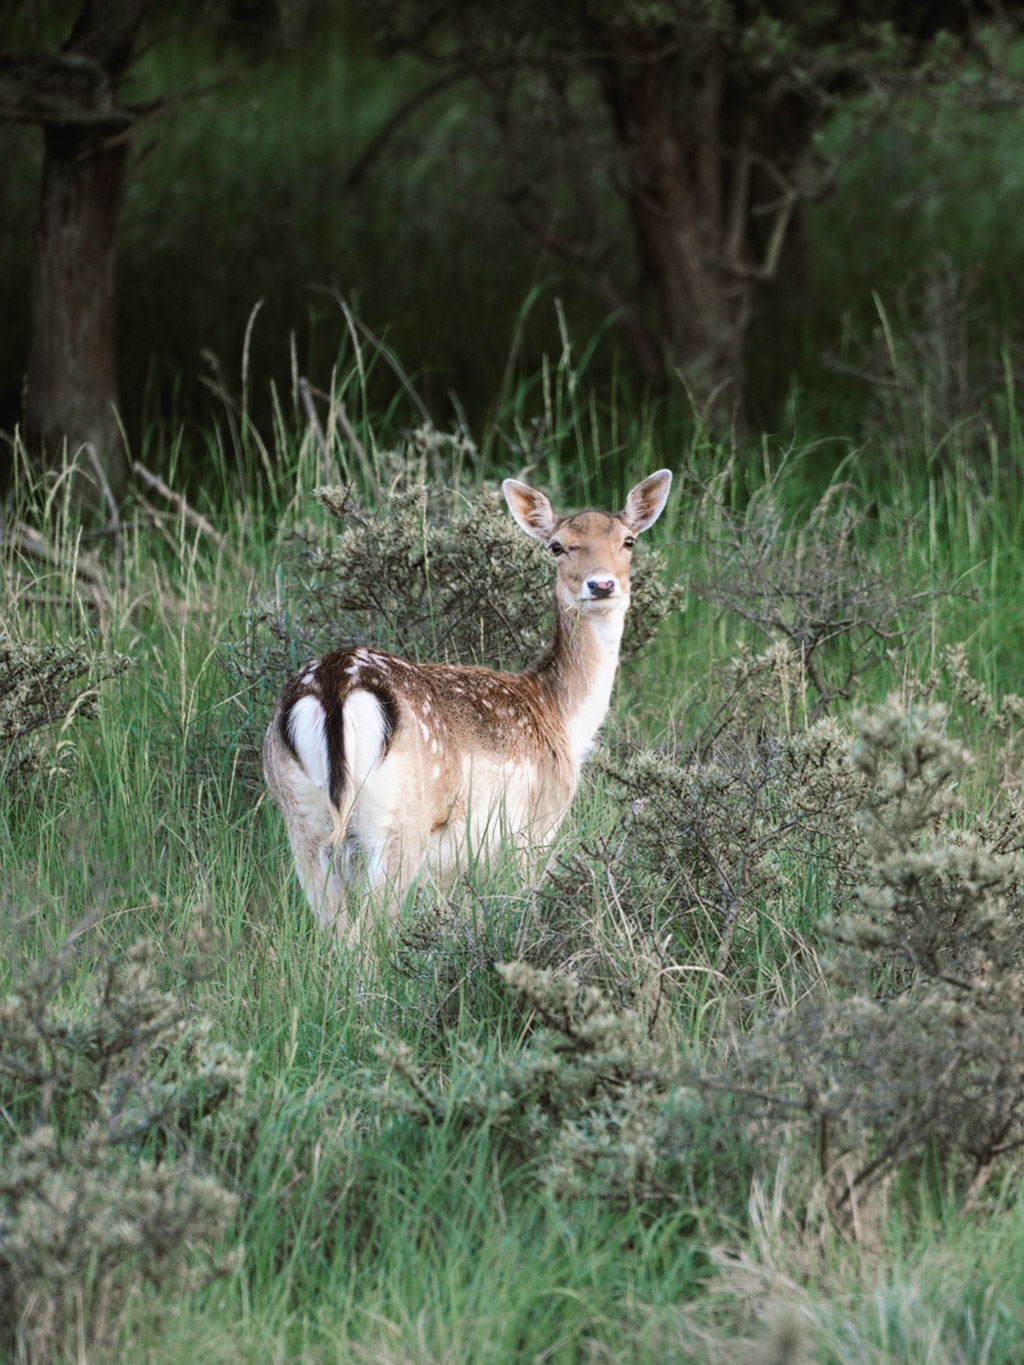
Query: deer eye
[[629, 542], [556, 548]]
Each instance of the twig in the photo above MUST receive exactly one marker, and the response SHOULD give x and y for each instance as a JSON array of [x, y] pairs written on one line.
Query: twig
[[113, 527], [88, 575], [384, 134], [29, 541], [177, 501]]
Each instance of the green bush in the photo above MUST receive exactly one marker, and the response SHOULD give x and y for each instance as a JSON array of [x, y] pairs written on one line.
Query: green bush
[[913, 1043], [42, 686], [109, 1100], [585, 1106]]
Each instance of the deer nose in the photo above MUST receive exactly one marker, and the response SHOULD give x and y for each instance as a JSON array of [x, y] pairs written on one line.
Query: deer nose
[[601, 587]]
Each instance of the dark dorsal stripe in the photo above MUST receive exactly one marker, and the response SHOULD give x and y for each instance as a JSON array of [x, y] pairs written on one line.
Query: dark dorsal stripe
[[331, 686], [335, 730]]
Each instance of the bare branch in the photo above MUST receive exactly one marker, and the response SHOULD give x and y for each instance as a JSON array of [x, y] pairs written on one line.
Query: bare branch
[[157, 485], [364, 162]]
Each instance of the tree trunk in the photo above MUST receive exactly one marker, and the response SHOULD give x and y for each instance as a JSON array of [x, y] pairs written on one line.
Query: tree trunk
[[72, 389], [71, 382], [694, 177]]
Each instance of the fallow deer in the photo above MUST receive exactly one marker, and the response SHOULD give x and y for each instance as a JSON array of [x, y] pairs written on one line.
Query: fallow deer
[[386, 770]]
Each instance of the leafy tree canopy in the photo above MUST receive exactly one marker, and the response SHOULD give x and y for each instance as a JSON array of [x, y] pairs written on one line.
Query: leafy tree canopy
[[666, 146]]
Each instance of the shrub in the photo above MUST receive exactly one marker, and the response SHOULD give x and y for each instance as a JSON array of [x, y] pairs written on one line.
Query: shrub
[[766, 805], [897, 1034], [107, 1105], [910, 1048], [45, 685], [584, 1104], [832, 587]]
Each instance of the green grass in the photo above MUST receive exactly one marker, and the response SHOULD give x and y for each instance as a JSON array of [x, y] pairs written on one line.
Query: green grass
[[365, 1235]]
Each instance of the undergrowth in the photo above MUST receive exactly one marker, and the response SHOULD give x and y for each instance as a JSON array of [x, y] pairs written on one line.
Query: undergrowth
[[112, 1096], [742, 1074]]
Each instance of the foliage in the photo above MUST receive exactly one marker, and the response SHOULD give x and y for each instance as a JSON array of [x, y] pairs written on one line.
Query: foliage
[[699, 125], [108, 1101], [585, 1108], [279, 129], [914, 1043], [748, 822], [44, 685], [827, 586]]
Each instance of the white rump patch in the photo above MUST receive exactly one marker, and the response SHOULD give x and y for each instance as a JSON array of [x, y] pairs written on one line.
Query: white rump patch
[[365, 732], [306, 732]]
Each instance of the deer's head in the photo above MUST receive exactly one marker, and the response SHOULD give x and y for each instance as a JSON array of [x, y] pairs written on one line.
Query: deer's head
[[592, 550]]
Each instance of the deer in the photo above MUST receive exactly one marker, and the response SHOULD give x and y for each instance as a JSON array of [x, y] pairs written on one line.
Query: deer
[[388, 771]]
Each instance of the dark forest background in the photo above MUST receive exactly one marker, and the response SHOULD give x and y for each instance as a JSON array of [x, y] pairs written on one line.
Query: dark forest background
[[459, 186]]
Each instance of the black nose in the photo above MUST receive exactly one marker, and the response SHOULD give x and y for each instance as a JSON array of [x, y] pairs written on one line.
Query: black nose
[[601, 587]]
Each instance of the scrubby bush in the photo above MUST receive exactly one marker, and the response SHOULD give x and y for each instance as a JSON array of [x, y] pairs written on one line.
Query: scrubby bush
[[896, 1043], [42, 686], [912, 1044], [108, 1101], [585, 1104], [744, 825], [832, 586]]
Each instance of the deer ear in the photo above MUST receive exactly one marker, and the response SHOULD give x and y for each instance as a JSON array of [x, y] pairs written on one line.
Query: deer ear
[[647, 501], [531, 509]]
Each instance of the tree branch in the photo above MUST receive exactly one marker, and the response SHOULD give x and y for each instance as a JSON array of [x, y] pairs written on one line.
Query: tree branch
[[377, 144]]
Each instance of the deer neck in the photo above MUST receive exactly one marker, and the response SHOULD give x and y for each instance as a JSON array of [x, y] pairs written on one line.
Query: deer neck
[[577, 671]]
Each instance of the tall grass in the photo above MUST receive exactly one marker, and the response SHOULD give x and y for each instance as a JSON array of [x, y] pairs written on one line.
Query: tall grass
[[366, 1233]]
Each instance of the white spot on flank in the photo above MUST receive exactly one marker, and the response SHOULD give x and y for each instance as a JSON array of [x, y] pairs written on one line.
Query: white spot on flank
[[425, 728], [435, 770]]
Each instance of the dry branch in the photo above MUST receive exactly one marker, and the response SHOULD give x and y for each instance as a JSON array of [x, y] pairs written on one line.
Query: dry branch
[[177, 500]]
